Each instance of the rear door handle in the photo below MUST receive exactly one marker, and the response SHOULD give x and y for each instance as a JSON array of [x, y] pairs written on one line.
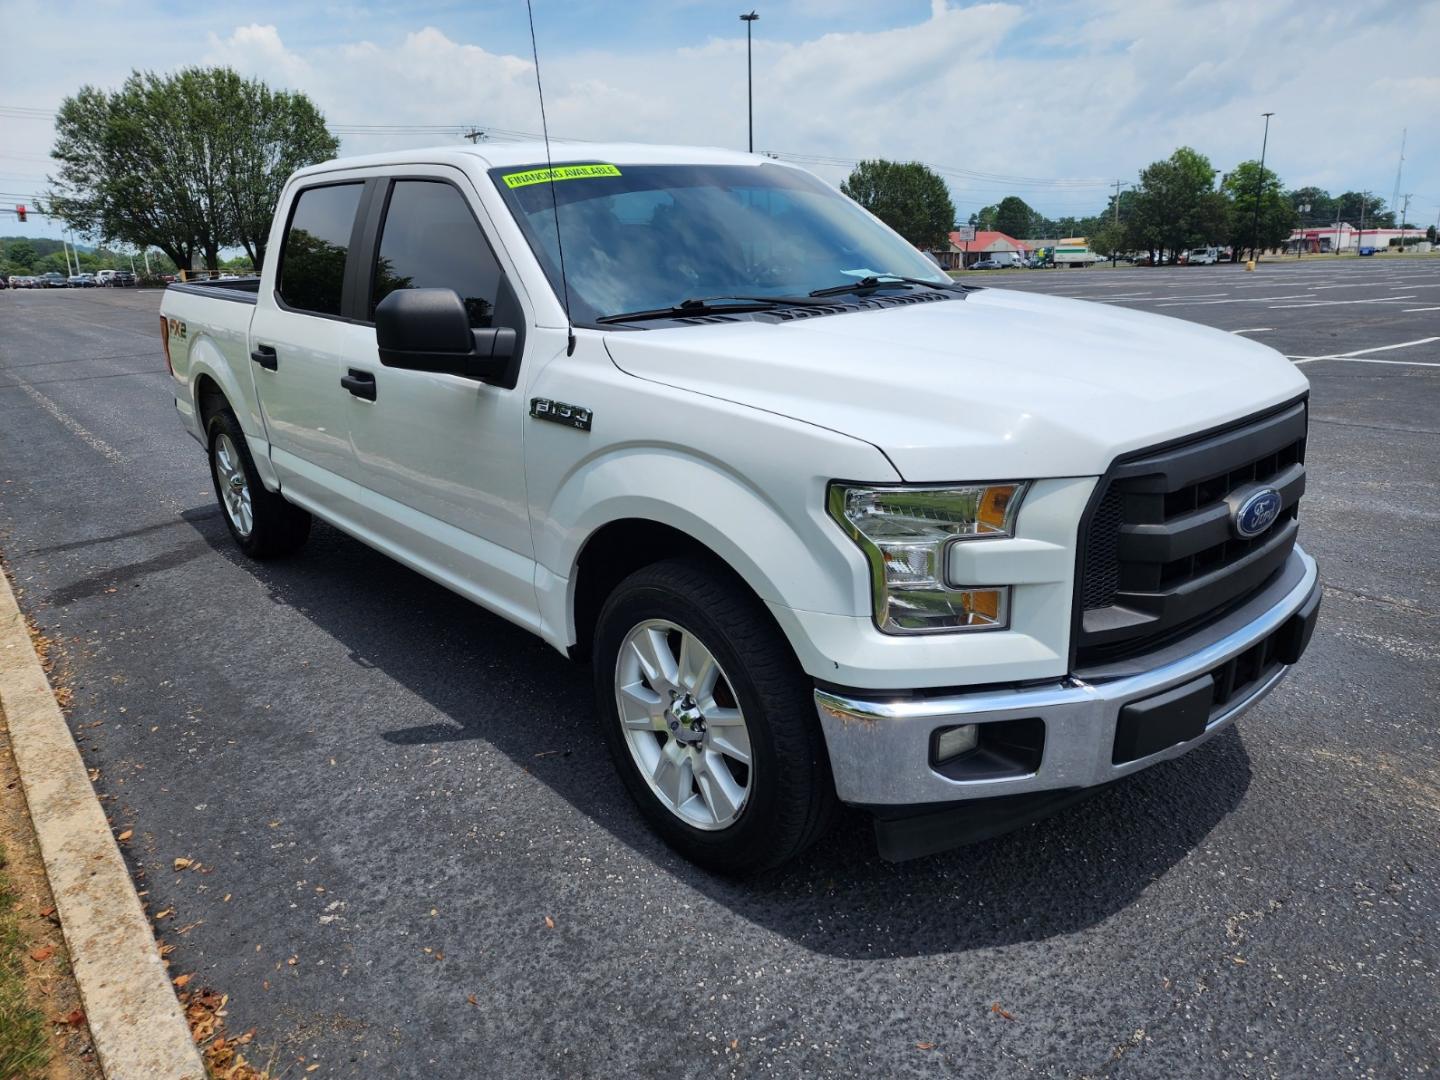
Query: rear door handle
[[359, 383], [265, 356]]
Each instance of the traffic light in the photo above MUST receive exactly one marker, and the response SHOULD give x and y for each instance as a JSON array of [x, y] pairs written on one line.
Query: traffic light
[[20, 211]]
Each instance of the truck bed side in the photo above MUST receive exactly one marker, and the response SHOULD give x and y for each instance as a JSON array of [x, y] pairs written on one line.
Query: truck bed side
[[208, 327]]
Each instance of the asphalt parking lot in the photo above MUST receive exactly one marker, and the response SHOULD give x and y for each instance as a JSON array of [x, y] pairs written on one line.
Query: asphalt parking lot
[[416, 860]]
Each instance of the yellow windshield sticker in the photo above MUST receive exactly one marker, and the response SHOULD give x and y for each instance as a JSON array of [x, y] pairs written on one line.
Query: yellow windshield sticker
[[560, 172]]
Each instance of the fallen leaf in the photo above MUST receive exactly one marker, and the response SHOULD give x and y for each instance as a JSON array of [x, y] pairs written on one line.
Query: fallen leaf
[[995, 1008], [471, 1001], [549, 922], [924, 1046], [312, 1068], [43, 953], [181, 980], [226, 899], [734, 1044], [164, 914], [1240, 960], [46, 912], [181, 864], [126, 835], [293, 961]]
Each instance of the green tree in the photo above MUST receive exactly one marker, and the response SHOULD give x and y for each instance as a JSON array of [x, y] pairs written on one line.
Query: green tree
[[1176, 205], [20, 253], [1013, 217], [1108, 240], [1320, 202], [1260, 213], [1430, 233], [157, 163], [1376, 216], [268, 134], [907, 196]]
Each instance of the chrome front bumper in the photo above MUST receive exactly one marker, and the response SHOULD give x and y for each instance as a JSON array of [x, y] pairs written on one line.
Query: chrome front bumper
[[880, 748]]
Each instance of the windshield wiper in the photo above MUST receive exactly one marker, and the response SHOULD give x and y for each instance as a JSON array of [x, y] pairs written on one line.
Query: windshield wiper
[[877, 281], [712, 305]]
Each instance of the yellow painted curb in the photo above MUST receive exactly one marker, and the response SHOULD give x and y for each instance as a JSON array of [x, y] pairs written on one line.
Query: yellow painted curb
[[134, 1017]]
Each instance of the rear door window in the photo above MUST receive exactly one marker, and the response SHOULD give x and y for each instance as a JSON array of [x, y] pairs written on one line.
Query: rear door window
[[430, 240], [312, 263]]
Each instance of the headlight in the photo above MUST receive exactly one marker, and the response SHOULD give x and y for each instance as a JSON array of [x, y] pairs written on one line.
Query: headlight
[[905, 533]]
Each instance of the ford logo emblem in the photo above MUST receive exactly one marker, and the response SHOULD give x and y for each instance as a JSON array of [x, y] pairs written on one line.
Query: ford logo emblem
[[1256, 512]]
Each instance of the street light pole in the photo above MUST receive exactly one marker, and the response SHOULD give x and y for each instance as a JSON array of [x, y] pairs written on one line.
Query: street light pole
[[1259, 187], [748, 20]]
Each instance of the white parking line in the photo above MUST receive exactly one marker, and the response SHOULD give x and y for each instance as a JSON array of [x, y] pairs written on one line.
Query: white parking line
[[1336, 303], [1253, 330], [1354, 357], [1241, 300], [1408, 310]]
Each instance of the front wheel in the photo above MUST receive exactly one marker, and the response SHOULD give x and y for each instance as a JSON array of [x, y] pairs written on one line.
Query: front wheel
[[709, 718]]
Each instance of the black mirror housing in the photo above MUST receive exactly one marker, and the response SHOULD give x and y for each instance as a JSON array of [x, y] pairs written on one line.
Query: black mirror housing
[[429, 330]]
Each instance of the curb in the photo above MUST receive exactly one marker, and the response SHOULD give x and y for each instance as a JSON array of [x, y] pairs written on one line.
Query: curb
[[134, 1017]]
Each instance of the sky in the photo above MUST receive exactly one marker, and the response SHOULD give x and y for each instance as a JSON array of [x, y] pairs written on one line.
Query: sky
[[1052, 100]]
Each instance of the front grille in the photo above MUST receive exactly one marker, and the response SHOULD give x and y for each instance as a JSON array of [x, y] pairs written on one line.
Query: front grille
[[1159, 556]]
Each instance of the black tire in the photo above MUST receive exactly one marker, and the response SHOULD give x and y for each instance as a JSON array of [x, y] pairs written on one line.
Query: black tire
[[791, 797], [277, 527]]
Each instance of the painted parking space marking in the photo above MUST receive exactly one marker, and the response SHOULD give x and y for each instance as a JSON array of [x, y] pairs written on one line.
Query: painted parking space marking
[[1339, 303], [1357, 356], [1253, 330]]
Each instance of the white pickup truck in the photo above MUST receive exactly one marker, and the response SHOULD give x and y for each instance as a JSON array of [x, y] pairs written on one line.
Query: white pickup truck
[[830, 527]]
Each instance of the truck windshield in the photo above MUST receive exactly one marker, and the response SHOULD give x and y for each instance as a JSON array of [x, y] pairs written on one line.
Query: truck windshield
[[643, 237]]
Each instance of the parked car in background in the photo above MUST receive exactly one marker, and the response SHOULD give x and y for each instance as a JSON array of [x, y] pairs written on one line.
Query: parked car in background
[[988, 264], [53, 280], [104, 277], [81, 281], [122, 278], [1206, 256], [949, 588]]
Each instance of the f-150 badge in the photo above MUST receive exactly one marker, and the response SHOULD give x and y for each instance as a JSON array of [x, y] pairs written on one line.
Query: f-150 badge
[[558, 412]]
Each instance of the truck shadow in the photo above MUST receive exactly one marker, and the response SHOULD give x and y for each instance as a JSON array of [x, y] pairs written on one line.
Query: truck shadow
[[497, 683]]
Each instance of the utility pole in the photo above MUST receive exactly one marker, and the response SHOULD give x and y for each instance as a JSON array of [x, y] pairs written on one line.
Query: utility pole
[[474, 135], [1408, 196], [1399, 168], [749, 21], [1114, 254], [1259, 188], [1360, 236]]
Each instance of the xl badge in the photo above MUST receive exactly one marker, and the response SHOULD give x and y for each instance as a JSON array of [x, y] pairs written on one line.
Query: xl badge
[[1256, 512], [558, 412]]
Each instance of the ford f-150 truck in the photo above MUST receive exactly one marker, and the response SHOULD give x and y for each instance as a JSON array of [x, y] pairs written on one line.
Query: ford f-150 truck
[[828, 526]]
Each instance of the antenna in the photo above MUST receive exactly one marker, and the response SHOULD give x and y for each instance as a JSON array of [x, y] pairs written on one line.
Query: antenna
[[550, 173]]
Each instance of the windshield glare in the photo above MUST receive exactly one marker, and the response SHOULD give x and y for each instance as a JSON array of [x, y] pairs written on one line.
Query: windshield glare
[[641, 237]]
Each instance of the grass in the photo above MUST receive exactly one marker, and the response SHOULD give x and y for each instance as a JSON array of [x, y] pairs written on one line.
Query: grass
[[24, 1044]]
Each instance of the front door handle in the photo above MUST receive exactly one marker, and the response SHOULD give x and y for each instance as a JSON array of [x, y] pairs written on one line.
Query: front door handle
[[265, 356], [359, 383]]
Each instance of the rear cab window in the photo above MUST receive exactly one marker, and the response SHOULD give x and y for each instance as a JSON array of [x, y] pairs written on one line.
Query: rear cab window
[[317, 241]]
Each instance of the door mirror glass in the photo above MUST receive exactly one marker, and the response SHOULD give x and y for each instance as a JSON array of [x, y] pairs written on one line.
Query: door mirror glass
[[429, 330]]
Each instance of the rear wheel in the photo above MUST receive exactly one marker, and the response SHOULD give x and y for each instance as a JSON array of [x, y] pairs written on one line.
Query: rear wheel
[[709, 718], [262, 522]]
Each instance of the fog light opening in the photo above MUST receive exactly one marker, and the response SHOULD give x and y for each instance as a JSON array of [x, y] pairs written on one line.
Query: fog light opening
[[989, 750], [950, 743]]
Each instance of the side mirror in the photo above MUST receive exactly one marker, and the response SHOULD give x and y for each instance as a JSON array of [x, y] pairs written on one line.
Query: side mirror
[[429, 330]]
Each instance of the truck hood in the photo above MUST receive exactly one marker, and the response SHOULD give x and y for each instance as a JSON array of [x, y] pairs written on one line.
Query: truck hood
[[998, 385]]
